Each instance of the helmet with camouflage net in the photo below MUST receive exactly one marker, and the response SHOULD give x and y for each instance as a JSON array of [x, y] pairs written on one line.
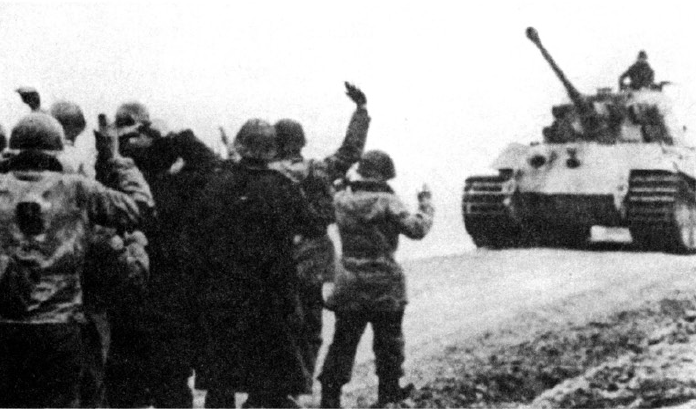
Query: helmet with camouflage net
[[131, 113], [376, 164], [70, 117], [290, 137], [37, 131], [256, 140]]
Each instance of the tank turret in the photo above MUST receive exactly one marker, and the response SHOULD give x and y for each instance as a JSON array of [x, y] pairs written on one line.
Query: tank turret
[[589, 118]]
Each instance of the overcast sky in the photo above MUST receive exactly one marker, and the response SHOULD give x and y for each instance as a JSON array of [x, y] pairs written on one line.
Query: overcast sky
[[449, 84]]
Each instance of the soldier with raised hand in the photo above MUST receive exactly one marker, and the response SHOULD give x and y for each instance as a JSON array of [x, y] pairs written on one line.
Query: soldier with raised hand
[[370, 286], [46, 219], [315, 256]]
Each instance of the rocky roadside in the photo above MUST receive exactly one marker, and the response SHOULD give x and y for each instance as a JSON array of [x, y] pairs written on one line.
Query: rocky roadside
[[640, 358]]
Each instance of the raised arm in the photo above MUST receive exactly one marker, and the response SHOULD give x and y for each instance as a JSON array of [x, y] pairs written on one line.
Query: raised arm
[[124, 208], [353, 144], [123, 198], [413, 225]]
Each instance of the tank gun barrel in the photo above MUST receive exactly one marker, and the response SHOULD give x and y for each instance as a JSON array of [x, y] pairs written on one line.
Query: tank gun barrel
[[573, 93], [588, 116]]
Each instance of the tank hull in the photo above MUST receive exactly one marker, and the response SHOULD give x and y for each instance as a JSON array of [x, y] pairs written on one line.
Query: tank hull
[[553, 194], [563, 209]]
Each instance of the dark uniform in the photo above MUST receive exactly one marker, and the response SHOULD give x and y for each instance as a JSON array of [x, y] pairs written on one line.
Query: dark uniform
[[154, 337], [640, 74], [370, 285], [46, 219], [249, 215], [172, 311]]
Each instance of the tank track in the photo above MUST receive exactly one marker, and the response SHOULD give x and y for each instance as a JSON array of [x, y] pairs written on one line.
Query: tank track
[[487, 211], [656, 204]]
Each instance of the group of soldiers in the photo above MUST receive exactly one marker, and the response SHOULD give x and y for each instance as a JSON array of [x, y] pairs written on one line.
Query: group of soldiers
[[120, 279]]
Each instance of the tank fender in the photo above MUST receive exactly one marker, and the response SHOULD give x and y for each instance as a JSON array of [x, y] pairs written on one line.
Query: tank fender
[[684, 159], [655, 157], [512, 157]]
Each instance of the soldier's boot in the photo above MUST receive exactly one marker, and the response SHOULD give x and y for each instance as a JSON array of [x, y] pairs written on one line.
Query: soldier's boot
[[330, 395], [389, 391], [269, 400], [220, 398]]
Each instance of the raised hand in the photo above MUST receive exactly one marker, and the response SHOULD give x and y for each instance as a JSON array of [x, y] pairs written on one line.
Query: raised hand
[[424, 194], [106, 139], [355, 94]]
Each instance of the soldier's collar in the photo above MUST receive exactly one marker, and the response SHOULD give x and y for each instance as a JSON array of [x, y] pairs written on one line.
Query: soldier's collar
[[367, 185]]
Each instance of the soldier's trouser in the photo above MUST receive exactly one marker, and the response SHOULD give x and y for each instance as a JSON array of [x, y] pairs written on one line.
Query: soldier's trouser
[[220, 398], [126, 377], [96, 339], [41, 365], [388, 345], [316, 263], [312, 309], [170, 366]]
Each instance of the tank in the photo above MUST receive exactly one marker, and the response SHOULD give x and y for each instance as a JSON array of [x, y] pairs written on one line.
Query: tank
[[613, 158]]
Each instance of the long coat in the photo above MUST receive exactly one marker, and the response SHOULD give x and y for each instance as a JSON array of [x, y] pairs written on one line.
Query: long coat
[[249, 215]]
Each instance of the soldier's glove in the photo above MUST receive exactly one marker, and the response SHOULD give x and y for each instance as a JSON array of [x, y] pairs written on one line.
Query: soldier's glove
[[355, 94], [424, 194], [135, 259], [30, 96], [223, 137], [106, 139]]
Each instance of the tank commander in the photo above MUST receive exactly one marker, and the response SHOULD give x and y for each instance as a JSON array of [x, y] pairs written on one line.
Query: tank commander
[[640, 74]]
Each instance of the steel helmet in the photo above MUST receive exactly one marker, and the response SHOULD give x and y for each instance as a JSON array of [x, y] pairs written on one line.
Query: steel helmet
[[131, 113], [376, 164], [37, 131], [70, 117], [290, 137], [256, 140]]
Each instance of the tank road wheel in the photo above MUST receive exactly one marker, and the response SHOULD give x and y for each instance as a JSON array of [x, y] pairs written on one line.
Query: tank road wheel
[[662, 211], [675, 229], [683, 229], [488, 208], [496, 234]]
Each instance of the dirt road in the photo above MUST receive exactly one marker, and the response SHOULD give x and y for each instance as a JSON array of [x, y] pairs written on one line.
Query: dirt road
[[456, 301]]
